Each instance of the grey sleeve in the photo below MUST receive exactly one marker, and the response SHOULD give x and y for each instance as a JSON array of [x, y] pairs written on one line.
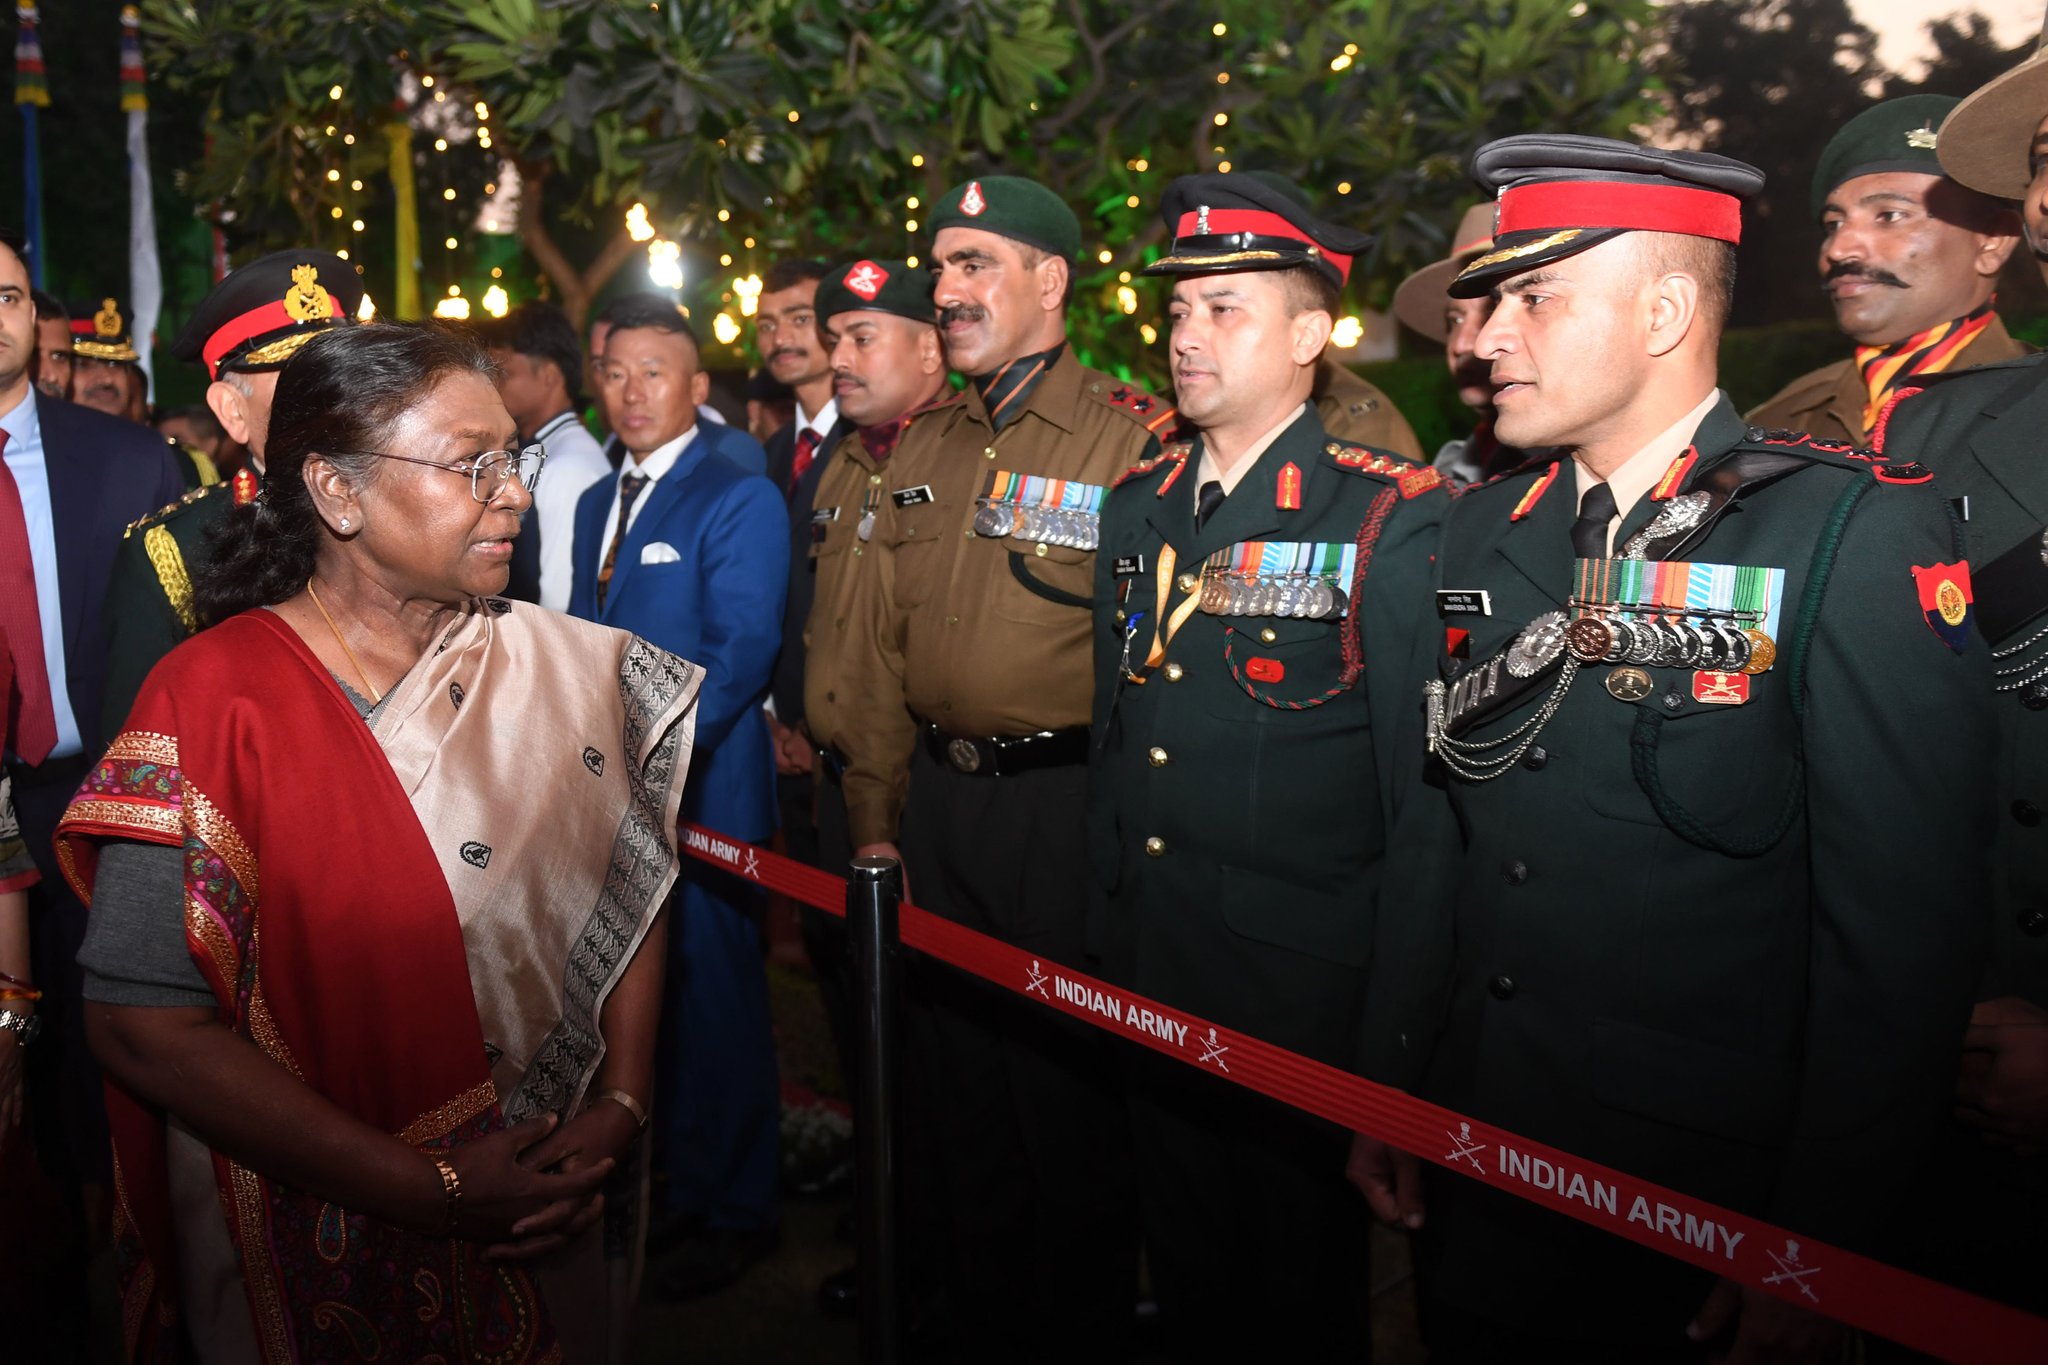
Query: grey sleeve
[[134, 951]]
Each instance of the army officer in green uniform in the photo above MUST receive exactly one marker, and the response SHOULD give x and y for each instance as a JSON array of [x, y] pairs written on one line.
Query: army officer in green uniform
[[1981, 431], [1704, 902], [244, 331], [1261, 598]]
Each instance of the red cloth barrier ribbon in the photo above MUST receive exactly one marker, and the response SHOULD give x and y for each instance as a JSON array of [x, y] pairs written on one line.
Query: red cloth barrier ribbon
[[1941, 1320]]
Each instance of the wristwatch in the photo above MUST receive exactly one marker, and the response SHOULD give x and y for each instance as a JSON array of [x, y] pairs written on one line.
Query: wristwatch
[[24, 1026]]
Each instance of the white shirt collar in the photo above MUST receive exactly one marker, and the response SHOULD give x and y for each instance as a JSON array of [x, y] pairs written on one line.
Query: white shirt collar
[[822, 421], [661, 461], [22, 419]]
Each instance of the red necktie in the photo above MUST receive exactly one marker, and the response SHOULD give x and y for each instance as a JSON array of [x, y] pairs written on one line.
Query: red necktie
[[806, 451], [31, 722]]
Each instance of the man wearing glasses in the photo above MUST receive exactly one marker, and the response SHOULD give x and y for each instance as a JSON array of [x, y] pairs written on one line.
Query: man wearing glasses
[[688, 548], [243, 332]]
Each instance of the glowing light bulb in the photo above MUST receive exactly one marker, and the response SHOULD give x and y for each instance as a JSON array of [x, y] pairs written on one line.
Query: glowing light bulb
[[496, 301], [665, 263], [366, 311], [1149, 332], [637, 226], [1104, 256], [725, 329], [1127, 298], [1348, 332], [455, 308], [448, 193]]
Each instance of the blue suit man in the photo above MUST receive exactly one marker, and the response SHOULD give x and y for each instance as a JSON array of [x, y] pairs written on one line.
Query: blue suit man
[[688, 547]]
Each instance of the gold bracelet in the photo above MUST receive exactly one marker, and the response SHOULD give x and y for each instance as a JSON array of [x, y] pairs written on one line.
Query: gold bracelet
[[451, 1185], [628, 1103]]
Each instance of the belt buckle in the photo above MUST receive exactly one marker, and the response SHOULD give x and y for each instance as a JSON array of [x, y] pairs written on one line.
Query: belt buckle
[[963, 755]]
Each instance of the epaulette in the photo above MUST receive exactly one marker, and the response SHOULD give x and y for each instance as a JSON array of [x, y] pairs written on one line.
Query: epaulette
[[1412, 479], [1153, 414], [1844, 455], [1177, 453], [143, 523]]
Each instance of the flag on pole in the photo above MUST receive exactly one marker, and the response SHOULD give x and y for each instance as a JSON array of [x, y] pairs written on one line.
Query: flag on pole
[[145, 271], [31, 93]]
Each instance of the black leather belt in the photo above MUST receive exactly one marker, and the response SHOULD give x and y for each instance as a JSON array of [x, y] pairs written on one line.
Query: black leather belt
[[1006, 756]]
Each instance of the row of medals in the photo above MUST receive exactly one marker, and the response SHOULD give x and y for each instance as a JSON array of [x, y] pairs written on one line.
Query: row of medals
[[1067, 527], [1708, 644], [1300, 596]]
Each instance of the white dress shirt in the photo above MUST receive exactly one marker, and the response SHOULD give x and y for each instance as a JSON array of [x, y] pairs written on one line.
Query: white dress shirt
[[575, 461], [652, 468]]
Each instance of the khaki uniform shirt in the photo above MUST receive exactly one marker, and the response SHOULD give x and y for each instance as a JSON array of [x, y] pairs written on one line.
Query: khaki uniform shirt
[[1355, 411], [850, 486], [1829, 402], [948, 631]]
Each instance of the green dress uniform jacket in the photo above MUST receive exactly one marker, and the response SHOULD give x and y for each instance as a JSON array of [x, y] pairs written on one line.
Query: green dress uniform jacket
[[1726, 948], [1981, 432], [149, 608], [1238, 825]]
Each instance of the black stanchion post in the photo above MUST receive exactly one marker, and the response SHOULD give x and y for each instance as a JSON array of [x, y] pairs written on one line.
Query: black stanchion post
[[872, 895]]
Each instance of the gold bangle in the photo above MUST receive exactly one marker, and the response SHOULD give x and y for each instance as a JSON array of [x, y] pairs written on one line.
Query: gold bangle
[[628, 1103], [451, 1185]]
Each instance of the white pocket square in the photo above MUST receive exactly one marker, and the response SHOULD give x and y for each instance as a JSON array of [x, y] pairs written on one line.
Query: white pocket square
[[659, 552]]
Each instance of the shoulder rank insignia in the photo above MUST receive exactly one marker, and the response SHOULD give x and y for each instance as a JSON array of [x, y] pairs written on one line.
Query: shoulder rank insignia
[[153, 518], [1412, 479], [246, 486], [1839, 453], [1154, 413], [1906, 472], [1175, 452]]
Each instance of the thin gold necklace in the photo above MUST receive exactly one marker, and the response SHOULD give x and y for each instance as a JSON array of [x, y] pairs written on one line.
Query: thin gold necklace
[[376, 697]]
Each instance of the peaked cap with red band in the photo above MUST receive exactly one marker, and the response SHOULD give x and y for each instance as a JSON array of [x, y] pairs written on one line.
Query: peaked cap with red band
[[261, 313], [1227, 223], [1557, 194]]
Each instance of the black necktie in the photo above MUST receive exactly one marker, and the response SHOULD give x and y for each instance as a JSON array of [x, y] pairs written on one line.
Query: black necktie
[[1589, 532], [1207, 501]]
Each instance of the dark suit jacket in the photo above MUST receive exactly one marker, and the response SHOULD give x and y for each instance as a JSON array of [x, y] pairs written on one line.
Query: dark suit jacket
[[718, 603], [104, 474], [788, 688]]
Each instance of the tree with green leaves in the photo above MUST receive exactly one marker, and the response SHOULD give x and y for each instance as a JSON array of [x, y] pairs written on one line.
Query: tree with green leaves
[[822, 127]]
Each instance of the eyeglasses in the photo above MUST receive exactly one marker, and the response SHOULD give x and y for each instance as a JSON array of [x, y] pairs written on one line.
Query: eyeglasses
[[488, 472]]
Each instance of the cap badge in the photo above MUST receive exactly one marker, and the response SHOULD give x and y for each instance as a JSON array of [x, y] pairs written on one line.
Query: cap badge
[[1202, 221], [972, 203], [107, 322], [866, 279], [307, 300], [1922, 138]]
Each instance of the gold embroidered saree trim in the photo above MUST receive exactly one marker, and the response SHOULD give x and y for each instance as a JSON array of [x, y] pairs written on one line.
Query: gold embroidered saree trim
[[218, 833], [250, 1218], [143, 746], [439, 1122]]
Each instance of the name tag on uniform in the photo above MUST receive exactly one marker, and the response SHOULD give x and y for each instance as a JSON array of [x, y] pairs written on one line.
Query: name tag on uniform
[[1130, 566], [1463, 602], [823, 514], [912, 497]]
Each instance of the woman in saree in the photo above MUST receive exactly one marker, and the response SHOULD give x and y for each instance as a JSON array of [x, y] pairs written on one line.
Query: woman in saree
[[373, 961]]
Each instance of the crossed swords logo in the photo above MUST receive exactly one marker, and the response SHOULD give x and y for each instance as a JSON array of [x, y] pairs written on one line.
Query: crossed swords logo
[[1213, 1050], [753, 865], [1036, 985], [1467, 1148], [1791, 1271]]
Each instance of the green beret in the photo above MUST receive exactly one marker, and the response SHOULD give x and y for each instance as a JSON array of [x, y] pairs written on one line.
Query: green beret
[[1011, 206], [1898, 135], [876, 286]]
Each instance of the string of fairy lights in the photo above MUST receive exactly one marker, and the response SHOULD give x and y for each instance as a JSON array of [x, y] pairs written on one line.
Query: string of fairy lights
[[432, 112]]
